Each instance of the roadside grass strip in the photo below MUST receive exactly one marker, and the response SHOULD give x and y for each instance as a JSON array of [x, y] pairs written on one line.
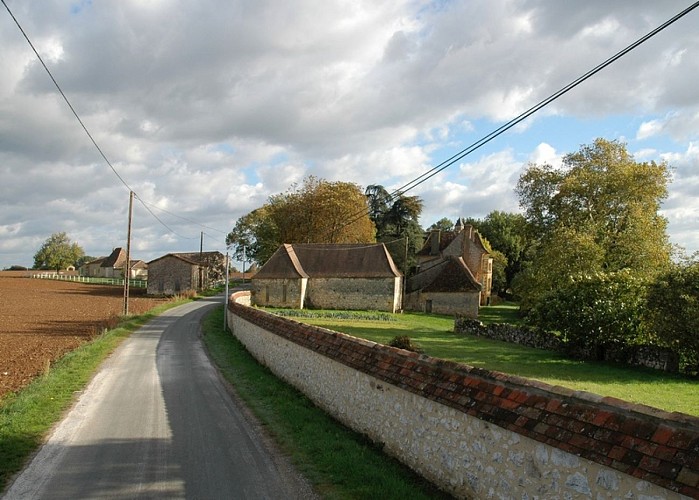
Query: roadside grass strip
[[340, 463]]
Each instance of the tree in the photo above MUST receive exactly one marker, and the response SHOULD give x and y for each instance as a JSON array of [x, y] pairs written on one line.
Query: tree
[[673, 312], [317, 211], [595, 310], [603, 192], [443, 224], [255, 237], [57, 252], [507, 233], [603, 200], [396, 218]]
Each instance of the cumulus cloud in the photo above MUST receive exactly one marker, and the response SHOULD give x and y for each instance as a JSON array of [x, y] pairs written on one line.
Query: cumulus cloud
[[207, 108]]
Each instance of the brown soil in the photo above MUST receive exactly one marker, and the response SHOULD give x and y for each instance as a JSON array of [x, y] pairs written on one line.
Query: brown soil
[[41, 320]]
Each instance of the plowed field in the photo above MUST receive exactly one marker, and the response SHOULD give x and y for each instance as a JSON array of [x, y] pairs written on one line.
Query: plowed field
[[41, 320]]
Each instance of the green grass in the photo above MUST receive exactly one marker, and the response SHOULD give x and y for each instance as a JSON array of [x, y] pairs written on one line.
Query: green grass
[[507, 312], [27, 416], [434, 334], [338, 462]]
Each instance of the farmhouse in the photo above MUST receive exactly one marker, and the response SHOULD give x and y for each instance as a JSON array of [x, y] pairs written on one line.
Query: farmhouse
[[454, 273], [178, 272], [325, 276], [113, 266]]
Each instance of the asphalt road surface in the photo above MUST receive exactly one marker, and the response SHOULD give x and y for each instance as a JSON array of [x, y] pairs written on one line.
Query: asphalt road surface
[[157, 422]]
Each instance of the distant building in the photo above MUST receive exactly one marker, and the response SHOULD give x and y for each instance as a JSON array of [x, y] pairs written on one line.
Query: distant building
[[113, 266], [326, 276], [454, 274], [180, 272]]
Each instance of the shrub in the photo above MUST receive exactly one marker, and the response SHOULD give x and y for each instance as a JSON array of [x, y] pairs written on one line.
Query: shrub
[[594, 311], [673, 313], [404, 342]]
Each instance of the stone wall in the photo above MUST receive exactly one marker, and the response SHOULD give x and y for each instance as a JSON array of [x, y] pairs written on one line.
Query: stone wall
[[280, 292], [170, 275], [523, 335], [642, 355], [476, 433], [372, 294], [462, 303]]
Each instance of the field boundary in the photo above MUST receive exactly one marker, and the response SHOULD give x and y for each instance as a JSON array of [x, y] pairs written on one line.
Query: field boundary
[[87, 279]]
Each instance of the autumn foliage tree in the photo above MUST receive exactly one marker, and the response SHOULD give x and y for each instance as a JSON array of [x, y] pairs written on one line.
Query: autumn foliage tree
[[317, 211]]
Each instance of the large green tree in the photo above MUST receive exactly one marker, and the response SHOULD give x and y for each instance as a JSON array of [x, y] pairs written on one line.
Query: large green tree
[[317, 211], [57, 252], [598, 212]]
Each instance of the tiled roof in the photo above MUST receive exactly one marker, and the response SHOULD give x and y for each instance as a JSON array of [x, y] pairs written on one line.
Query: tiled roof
[[454, 277], [445, 238], [194, 258], [359, 260], [116, 259]]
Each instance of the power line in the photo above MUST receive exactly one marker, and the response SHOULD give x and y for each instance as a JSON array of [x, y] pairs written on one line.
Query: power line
[[395, 194], [541, 104], [65, 98], [92, 139], [182, 218]]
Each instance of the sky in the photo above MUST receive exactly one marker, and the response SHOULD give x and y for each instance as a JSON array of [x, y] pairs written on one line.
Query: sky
[[204, 109]]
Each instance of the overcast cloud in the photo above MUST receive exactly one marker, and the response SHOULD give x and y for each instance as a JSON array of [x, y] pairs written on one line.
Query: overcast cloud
[[207, 108]]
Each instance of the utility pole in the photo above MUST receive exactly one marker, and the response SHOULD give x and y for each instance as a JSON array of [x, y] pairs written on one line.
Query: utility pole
[[225, 301], [405, 274], [244, 257], [127, 266], [201, 261]]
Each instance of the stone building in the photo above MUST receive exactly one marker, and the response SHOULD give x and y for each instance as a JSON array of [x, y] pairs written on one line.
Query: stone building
[[326, 276], [454, 273], [180, 272], [113, 266]]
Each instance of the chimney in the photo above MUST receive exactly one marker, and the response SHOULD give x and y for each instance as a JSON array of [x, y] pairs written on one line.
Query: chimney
[[436, 236]]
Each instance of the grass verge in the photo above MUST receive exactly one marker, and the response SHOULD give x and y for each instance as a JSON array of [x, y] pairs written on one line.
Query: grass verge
[[434, 334], [27, 416], [339, 462]]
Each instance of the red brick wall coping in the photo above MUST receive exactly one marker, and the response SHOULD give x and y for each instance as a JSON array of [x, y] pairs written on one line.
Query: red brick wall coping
[[644, 442]]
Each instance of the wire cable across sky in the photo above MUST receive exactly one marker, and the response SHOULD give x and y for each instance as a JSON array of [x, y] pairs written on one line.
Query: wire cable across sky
[[395, 194], [412, 184]]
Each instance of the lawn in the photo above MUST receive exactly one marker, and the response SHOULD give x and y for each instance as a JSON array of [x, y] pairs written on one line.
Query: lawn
[[435, 336]]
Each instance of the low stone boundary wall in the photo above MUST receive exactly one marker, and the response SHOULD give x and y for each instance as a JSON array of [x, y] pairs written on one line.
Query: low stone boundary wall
[[476, 433], [654, 357]]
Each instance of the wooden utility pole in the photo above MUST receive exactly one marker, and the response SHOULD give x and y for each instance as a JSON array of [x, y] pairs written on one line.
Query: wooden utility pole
[[127, 265], [201, 261], [405, 275], [225, 300]]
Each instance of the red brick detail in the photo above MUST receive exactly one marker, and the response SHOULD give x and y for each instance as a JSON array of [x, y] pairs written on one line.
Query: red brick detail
[[656, 446]]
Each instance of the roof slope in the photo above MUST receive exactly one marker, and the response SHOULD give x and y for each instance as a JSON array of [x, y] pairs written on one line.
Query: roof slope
[[444, 240], [282, 264], [117, 259], [195, 258], [454, 277], [358, 260]]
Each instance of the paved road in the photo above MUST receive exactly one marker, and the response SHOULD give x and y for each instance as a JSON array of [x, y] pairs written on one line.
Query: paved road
[[156, 422]]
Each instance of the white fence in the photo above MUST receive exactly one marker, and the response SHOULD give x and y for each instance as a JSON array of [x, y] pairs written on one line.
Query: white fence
[[87, 279]]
